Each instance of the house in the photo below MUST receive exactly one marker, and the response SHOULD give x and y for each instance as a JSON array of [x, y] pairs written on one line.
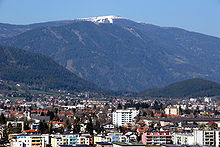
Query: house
[[172, 110], [57, 124], [35, 126], [108, 126], [17, 124]]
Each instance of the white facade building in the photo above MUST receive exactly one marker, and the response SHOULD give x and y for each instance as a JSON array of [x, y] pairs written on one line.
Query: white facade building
[[198, 137], [122, 117], [172, 110], [183, 138], [29, 140], [210, 138]]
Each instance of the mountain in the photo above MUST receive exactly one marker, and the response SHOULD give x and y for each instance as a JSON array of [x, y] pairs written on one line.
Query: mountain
[[38, 71], [10, 30], [186, 88], [102, 19], [120, 54]]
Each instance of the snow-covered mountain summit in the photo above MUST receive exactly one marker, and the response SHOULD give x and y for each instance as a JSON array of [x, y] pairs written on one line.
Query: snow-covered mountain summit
[[102, 19]]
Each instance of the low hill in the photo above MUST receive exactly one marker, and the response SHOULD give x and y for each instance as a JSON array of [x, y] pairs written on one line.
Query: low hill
[[187, 88], [39, 71]]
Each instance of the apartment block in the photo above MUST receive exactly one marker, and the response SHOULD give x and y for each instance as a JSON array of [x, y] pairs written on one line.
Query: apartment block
[[156, 138], [29, 140], [122, 117]]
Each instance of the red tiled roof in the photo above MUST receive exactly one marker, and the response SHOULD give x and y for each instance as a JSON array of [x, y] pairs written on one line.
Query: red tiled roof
[[91, 111], [142, 129], [39, 111], [211, 122], [157, 115], [66, 112], [57, 122], [16, 112], [173, 115], [31, 131]]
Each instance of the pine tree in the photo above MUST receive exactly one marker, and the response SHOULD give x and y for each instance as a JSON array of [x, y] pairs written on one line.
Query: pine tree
[[2, 119], [76, 128], [43, 127], [98, 127], [51, 114], [119, 106], [89, 127]]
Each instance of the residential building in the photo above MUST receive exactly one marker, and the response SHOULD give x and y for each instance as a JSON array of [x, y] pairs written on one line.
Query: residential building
[[174, 110], [29, 140], [64, 139], [183, 138], [157, 138], [207, 137], [122, 117]]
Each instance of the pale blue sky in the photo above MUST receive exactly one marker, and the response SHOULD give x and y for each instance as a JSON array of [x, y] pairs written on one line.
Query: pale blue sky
[[195, 15]]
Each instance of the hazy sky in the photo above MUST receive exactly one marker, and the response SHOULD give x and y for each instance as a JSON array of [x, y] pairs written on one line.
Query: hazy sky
[[195, 15]]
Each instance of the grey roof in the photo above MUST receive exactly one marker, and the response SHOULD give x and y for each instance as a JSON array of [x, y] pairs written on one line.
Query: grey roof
[[75, 145], [104, 143], [42, 118], [128, 144], [175, 145], [184, 119]]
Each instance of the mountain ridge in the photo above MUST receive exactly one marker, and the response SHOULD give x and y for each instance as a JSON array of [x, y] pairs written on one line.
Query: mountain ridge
[[39, 71], [125, 55], [187, 88]]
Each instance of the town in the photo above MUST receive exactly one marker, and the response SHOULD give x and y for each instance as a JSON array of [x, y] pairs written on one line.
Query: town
[[109, 73], [78, 120]]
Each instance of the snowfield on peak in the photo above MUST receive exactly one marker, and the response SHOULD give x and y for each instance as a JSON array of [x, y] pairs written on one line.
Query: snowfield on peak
[[102, 19]]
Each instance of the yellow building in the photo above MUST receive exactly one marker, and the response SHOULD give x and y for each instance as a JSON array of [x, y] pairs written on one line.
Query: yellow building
[[29, 140], [37, 142]]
